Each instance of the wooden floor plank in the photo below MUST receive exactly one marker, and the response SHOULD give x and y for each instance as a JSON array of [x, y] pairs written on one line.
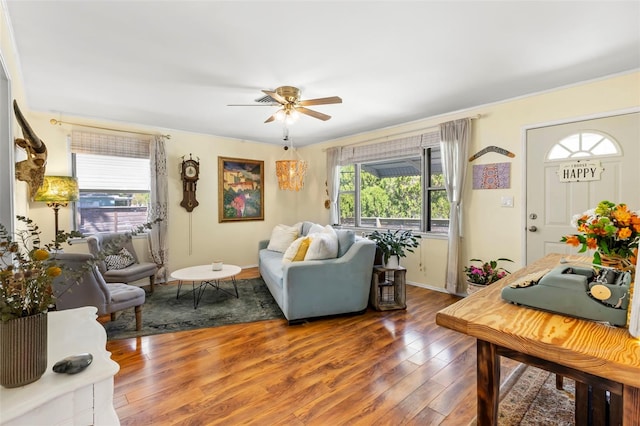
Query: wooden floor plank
[[384, 368]]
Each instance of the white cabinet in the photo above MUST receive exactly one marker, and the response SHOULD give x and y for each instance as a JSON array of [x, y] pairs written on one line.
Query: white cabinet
[[85, 398]]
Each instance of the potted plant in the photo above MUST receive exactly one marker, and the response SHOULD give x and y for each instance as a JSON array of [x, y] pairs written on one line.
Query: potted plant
[[393, 245], [27, 271], [486, 273]]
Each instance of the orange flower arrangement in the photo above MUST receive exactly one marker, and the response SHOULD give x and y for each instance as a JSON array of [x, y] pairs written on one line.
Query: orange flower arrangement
[[609, 229]]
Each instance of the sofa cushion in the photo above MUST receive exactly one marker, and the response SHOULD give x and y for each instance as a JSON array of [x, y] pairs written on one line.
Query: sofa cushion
[[297, 250], [323, 245], [281, 237], [306, 226], [346, 238]]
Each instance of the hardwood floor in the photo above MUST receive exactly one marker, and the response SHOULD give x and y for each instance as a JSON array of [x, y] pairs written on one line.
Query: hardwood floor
[[380, 368]]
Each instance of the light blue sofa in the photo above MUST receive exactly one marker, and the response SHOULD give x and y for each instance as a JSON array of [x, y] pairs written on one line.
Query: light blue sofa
[[318, 288]]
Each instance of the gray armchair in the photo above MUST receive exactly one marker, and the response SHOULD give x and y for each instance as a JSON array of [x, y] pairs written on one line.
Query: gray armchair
[[88, 288], [111, 243]]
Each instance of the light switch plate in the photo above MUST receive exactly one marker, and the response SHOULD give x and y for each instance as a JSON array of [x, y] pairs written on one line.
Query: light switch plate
[[506, 201]]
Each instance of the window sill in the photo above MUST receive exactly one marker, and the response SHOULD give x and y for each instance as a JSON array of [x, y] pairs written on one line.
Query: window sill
[[423, 235]]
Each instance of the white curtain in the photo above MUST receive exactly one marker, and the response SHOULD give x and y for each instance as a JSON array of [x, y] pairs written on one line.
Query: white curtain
[[454, 145], [333, 183], [158, 207]]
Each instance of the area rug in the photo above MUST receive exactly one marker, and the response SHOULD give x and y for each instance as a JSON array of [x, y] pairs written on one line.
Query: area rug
[[163, 313], [532, 399]]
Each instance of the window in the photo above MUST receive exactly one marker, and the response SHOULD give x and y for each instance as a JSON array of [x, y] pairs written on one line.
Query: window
[[405, 192], [114, 184], [582, 145]]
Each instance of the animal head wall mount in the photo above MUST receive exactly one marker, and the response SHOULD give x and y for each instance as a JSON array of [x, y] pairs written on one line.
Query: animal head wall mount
[[32, 169]]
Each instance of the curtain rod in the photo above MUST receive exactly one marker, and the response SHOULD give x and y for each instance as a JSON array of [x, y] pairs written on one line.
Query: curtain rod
[[399, 135], [53, 121]]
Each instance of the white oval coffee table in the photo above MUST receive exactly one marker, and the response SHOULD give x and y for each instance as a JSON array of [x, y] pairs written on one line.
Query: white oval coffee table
[[203, 275]]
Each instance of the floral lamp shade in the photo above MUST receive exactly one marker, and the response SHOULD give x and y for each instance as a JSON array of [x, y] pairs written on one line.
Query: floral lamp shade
[[58, 190]]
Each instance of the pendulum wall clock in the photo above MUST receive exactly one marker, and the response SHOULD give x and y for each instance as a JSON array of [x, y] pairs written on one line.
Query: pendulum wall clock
[[189, 173]]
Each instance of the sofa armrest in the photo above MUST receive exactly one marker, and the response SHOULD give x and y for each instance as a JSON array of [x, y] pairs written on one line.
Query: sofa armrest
[[263, 244]]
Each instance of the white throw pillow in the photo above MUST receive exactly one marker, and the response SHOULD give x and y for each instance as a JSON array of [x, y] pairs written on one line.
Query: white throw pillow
[[281, 237], [316, 229], [324, 244]]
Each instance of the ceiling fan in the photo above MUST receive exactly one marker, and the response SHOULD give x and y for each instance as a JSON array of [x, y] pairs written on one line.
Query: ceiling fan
[[288, 98]]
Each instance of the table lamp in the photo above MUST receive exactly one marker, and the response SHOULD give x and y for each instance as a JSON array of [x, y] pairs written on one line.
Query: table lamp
[[57, 191]]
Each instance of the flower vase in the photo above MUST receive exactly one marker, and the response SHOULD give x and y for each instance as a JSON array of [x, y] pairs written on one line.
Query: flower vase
[[23, 350], [473, 287], [622, 264]]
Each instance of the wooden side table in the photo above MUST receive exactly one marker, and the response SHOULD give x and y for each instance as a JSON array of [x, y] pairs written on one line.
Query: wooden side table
[[388, 289]]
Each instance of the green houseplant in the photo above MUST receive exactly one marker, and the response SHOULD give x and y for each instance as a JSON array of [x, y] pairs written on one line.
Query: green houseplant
[[394, 244]]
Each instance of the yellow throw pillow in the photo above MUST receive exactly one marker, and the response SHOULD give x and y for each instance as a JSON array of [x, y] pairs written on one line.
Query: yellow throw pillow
[[297, 250], [302, 249]]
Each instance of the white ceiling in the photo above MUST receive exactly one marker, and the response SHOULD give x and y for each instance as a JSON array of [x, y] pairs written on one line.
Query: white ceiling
[[177, 64]]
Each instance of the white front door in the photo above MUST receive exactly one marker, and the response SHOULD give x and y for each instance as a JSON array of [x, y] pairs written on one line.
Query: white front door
[[550, 203]]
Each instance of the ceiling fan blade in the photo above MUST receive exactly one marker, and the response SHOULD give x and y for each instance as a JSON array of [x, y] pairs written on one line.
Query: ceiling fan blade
[[266, 104], [312, 113], [321, 101], [270, 119], [275, 96]]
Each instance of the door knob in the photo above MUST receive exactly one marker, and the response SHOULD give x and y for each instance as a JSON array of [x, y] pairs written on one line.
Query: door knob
[[533, 228]]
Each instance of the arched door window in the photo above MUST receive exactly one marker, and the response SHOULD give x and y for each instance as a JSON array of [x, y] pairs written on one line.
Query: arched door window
[[584, 145]]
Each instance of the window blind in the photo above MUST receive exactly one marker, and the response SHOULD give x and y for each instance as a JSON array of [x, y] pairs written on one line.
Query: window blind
[[107, 144], [397, 148]]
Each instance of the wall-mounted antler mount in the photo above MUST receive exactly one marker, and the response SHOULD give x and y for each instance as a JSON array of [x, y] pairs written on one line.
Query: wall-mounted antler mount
[[32, 169]]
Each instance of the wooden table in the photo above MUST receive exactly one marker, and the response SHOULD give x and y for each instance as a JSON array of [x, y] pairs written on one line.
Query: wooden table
[[599, 357]]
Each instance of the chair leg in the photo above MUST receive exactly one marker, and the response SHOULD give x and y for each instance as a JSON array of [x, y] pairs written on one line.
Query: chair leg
[[152, 281], [138, 310]]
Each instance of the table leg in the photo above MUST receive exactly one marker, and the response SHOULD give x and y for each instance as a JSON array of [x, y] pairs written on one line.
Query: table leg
[[488, 383], [179, 287], [630, 405]]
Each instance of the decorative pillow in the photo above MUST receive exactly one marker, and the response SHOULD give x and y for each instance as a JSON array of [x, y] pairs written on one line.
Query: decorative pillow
[[281, 237], [120, 260], [346, 238], [324, 245], [297, 250], [316, 229]]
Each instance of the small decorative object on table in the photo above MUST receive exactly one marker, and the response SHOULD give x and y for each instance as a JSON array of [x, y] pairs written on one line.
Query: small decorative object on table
[[613, 231], [485, 274], [393, 245], [73, 364]]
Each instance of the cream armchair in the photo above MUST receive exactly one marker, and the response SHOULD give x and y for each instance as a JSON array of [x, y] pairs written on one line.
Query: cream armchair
[[88, 288], [112, 244]]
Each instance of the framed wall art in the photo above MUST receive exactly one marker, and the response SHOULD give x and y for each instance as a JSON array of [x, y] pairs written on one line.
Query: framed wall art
[[240, 189]]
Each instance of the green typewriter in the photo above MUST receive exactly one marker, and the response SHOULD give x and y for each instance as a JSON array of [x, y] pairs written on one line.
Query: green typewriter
[[596, 294]]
